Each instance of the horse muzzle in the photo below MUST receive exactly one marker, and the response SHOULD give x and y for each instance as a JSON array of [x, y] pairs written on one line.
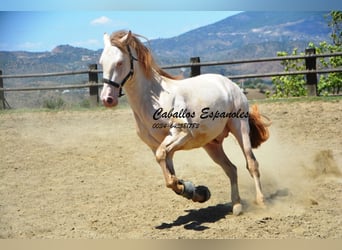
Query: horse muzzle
[[109, 96], [110, 102]]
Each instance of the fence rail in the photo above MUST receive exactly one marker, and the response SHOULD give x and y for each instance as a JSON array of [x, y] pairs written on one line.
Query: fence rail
[[50, 74], [187, 65], [61, 87], [195, 65], [233, 77], [265, 59], [301, 72]]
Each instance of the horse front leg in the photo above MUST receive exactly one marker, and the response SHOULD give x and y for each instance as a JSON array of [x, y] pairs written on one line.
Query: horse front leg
[[164, 154], [165, 161]]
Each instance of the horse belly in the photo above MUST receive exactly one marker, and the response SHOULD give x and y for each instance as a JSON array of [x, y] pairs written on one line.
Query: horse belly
[[207, 133]]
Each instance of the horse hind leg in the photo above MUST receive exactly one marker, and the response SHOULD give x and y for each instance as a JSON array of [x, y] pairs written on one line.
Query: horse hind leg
[[241, 133], [216, 152]]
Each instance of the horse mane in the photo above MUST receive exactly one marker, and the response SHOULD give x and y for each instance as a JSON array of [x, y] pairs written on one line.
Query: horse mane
[[144, 55]]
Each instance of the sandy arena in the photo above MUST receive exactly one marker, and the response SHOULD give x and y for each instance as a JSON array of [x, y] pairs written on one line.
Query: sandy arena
[[87, 175]]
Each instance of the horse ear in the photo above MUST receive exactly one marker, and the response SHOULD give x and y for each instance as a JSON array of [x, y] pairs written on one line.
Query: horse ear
[[106, 39], [126, 37]]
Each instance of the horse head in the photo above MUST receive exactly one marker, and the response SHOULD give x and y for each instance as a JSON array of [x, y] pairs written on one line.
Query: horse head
[[121, 50], [117, 63]]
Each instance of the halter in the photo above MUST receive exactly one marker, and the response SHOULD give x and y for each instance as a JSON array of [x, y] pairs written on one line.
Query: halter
[[129, 74]]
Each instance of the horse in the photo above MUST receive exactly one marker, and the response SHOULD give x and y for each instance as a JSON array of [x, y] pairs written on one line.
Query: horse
[[174, 114]]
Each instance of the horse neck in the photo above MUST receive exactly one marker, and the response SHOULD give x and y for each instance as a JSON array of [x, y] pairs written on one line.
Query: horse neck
[[143, 93]]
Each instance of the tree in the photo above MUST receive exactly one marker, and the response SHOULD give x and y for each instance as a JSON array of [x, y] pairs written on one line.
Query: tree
[[335, 23], [331, 83], [294, 85]]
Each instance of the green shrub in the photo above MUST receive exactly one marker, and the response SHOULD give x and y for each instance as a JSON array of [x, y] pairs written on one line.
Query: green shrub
[[53, 103]]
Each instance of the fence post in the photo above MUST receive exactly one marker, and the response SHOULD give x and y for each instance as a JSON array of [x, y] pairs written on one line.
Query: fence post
[[311, 78], [2, 94], [93, 90], [195, 69]]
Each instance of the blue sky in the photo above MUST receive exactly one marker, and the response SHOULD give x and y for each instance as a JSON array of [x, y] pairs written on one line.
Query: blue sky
[[37, 25], [43, 30], [171, 5]]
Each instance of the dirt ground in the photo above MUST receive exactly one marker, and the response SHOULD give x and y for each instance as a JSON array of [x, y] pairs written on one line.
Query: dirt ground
[[86, 175]]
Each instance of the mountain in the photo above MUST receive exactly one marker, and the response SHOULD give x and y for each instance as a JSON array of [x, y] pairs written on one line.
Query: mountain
[[245, 35], [61, 58]]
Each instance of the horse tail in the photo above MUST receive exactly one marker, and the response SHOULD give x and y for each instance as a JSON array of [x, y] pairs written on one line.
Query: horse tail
[[258, 131]]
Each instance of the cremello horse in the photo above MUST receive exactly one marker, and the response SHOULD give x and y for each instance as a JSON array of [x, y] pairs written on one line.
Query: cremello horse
[[173, 114]]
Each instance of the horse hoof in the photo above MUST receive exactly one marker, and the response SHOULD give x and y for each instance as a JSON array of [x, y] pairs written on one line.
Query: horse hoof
[[188, 189], [201, 194], [237, 209], [261, 203], [260, 200]]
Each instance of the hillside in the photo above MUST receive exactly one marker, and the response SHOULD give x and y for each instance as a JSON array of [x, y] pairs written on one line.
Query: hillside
[[276, 30], [61, 58]]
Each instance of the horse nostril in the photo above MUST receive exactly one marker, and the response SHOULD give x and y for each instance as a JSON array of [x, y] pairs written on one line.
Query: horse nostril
[[109, 100]]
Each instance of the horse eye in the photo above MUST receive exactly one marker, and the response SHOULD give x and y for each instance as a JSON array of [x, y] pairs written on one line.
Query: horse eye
[[119, 64]]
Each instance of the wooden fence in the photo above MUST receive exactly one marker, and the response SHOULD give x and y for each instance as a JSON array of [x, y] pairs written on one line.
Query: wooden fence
[[195, 66]]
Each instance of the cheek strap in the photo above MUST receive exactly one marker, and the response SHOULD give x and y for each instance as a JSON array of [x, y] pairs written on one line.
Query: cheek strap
[[129, 74]]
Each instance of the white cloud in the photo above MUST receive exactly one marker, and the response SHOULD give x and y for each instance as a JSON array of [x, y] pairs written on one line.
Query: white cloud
[[90, 43], [101, 21], [31, 46]]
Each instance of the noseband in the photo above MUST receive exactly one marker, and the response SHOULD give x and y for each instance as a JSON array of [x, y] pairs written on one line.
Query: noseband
[[129, 74]]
